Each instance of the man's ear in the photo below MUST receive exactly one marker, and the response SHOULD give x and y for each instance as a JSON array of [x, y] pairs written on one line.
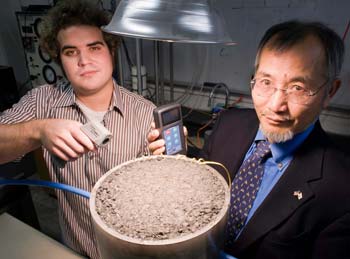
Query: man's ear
[[332, 91]]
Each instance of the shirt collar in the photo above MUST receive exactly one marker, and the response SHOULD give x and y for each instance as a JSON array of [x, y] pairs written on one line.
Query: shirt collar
[[117, 101], [281, 150], [68, 98]]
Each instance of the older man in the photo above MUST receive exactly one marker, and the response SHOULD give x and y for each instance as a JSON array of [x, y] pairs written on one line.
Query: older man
[[291, 201]]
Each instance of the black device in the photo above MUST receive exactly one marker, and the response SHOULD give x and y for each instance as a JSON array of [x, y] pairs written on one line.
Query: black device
[[168, 120]]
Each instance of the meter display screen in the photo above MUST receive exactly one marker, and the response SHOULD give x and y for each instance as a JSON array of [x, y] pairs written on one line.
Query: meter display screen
[[172, 140], [171, 116]]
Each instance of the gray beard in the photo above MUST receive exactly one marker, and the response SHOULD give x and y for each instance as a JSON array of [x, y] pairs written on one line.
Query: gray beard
[[277, 137]]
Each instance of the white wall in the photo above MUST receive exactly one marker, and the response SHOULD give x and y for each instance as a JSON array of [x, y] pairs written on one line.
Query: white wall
[[247, 20], [233, 65]]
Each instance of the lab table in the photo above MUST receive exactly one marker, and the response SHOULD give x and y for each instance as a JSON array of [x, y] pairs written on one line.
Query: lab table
[[18, 241]]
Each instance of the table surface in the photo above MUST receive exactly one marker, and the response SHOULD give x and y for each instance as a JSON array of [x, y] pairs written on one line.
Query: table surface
[[18, 240]]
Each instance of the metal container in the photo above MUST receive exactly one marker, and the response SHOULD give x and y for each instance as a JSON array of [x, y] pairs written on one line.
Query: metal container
[[205, 243]]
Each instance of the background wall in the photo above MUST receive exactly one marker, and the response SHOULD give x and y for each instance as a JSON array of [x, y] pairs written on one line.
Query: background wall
[[194, 64], [247, 20]]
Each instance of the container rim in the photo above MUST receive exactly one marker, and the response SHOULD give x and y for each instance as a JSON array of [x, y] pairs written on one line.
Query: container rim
[[176, 240]]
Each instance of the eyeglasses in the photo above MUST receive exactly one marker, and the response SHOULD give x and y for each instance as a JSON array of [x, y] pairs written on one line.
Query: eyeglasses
[[295, 93]]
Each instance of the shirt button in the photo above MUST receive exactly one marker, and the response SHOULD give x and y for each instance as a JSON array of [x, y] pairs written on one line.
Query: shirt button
[[279, 165]]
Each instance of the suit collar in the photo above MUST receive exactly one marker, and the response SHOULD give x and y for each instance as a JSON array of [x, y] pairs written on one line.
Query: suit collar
[[248, 120], [290, 192]]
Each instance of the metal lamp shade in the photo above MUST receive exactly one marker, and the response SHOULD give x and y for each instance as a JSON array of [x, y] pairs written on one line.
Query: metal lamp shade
[[186, 21]]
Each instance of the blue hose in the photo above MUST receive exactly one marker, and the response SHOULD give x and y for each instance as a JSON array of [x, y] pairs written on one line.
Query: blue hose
[[60, 186]]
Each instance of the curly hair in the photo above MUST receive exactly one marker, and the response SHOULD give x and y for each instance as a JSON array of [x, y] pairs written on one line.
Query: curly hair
[[68, 13]]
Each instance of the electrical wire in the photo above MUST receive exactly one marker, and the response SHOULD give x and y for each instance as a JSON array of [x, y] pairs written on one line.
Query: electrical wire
[[199, 144], [191, 142], [60, 186], [240, 98], [202, 161], [203, 70], [126, 50], [195, 77], [346, 31], [198, 140], [100, 2]]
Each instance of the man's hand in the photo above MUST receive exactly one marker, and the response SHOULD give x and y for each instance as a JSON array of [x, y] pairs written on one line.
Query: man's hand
[[64, 139], [157, 146]]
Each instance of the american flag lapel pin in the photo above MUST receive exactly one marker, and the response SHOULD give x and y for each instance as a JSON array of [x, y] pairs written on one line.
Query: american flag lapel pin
[[298, 194]]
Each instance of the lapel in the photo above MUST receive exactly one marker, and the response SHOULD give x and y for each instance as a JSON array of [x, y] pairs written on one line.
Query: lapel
[[232, 136], [283, 200], [239, 139]]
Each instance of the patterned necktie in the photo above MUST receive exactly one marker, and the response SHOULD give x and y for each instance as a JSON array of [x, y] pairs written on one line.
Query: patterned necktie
[[244, 188]]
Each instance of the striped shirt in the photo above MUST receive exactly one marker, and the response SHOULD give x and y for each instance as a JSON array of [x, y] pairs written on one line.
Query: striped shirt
[[128, 119]]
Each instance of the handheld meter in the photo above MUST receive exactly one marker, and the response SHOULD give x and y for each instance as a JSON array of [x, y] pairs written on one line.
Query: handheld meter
[[97, 133], [168, 120]]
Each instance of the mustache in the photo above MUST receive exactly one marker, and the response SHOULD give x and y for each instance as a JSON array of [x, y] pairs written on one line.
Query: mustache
[[284, 117]]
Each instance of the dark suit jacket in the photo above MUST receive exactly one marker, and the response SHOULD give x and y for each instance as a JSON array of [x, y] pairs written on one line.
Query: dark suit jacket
[[316, 226]]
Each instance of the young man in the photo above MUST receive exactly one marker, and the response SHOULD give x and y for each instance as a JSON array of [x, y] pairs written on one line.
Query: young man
[[300, 207], [51, 116]]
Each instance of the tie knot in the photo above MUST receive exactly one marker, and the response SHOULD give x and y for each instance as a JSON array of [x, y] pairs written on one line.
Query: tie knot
[[263, 149]]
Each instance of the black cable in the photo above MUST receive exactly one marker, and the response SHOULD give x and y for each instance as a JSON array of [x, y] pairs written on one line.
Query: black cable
[[101, 4], [130, 63]]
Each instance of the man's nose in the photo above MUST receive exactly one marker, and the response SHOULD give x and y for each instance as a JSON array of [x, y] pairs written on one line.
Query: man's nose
[[83, 58], [278, 100]]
